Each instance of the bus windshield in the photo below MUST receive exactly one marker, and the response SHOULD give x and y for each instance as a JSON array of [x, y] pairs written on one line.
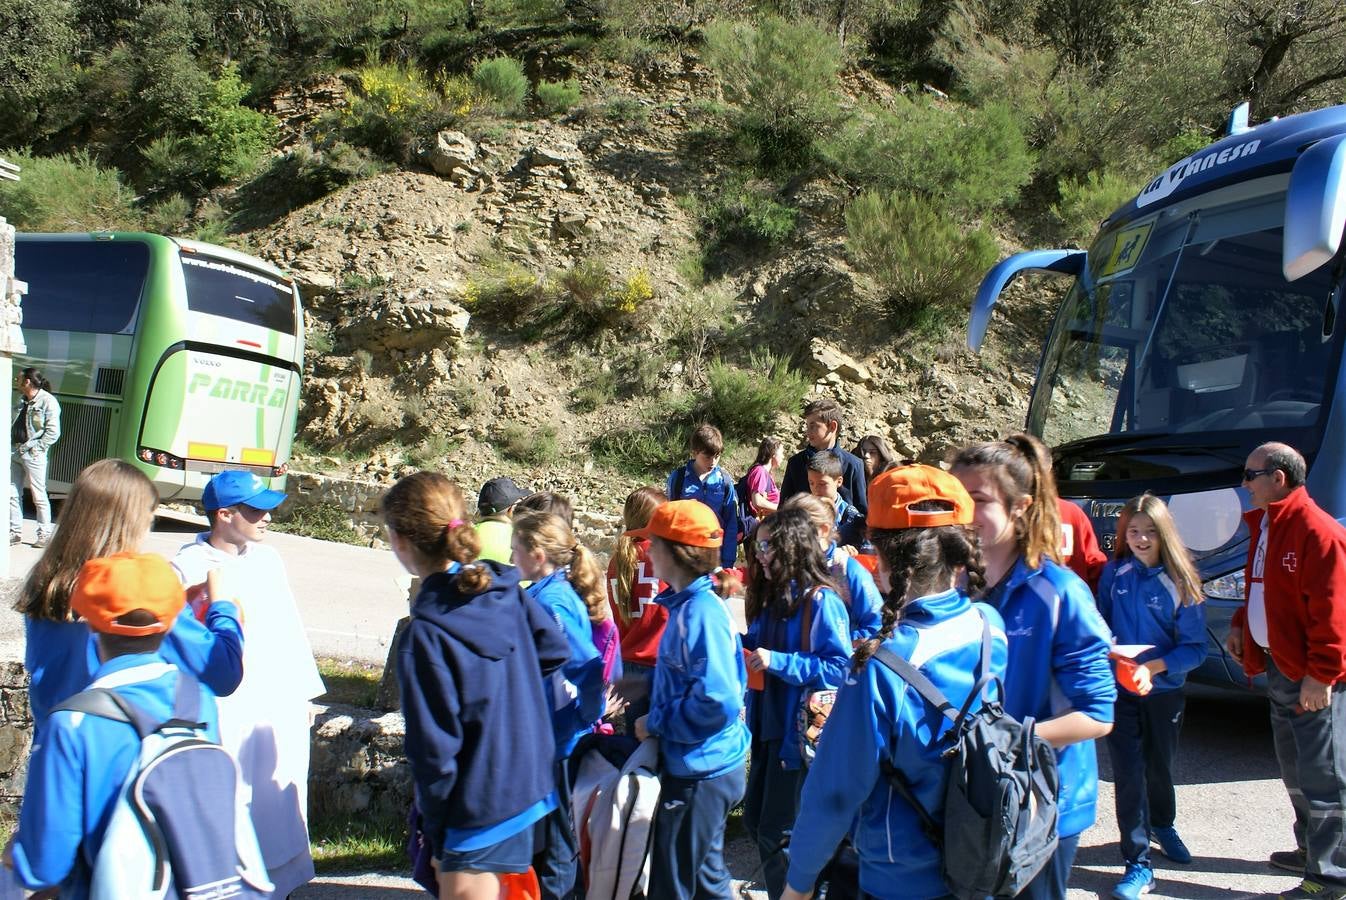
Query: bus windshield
[[226, 289], [1184, 325]]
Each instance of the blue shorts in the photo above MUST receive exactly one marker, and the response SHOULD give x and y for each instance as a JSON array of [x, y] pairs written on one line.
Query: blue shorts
[[512, 855]]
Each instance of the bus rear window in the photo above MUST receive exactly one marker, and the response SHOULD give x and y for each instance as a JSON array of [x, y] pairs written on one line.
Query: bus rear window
[[224, 289], [88, 286]]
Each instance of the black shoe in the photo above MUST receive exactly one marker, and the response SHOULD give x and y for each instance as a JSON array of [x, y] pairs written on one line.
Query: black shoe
[[1289, 860]]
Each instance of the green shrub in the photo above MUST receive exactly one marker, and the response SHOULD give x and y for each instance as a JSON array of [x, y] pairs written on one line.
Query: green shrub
[[431, 451], [651, 448], [233, 138], [626, 111], [502, 80], [747, 212], [591, 300], [972, 159], [781, 77], [596, 391], [532, 446], [1087, 202], [67, 192], [311, 172], [394, 105], [556, 97], [326, 522], [169, 215], [507, 293], [742, 401], [924, 260]]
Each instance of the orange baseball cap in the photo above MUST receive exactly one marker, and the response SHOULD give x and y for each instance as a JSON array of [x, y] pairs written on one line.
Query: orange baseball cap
[[112, 586], [689, 522], [894, 492]]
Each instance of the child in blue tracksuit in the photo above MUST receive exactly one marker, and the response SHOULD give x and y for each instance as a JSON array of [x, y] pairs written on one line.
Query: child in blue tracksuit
[[696, 707], [799, 639], [77, 770], [826, 476], [1150, 594], [470, 668], [1058, 643], [852, 580], [919, 518], [701, 478], [109, 510], [568, 584]]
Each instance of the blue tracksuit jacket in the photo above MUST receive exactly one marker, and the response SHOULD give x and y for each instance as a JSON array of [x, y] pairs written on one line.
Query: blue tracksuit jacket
[[878, 716], [61, 657], [577, 690], [78, 769], [859, 593], [850, 525], [1141, 606], [773, 712], [716, 491], [1058, 663], [696, 701]]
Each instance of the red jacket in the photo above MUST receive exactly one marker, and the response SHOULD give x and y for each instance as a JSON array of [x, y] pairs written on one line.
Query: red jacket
[[1079, 544], [641, 624], [1304, 587]]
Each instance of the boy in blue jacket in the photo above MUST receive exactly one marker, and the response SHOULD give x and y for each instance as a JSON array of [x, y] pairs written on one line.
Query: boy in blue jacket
[[696, 707], [130, 601], [822, 431], [701, 478], [919, 518], [825, 477]]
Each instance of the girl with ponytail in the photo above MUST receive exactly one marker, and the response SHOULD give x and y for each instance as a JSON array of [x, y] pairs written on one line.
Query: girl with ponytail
[[920, 522], [470, 670], [1058, 643], [567, 585], [799, 638], [632, 588]]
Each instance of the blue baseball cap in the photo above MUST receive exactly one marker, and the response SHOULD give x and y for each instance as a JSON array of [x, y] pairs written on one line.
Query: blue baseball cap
[[233, 487]]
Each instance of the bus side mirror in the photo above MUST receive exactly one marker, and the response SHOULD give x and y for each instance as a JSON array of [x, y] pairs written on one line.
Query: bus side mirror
[[1315, 208], [1063, 262]]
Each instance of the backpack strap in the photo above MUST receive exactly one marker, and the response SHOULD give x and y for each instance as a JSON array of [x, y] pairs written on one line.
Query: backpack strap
[[108, 704], [679, 482]]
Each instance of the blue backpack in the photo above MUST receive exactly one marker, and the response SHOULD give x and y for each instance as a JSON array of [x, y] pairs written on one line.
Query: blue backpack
[[180, 826]]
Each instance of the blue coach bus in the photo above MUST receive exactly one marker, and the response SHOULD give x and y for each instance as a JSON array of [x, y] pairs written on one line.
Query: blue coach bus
[[1204, 320]]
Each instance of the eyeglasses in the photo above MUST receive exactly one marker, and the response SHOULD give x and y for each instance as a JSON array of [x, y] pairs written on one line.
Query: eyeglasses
[[1250, 474], [763, 548]]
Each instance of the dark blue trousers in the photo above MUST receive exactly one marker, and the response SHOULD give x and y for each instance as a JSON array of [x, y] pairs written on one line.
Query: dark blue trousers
[[687, 856], [769, 810], [1052, 880], [1142, 744], [556, 849]]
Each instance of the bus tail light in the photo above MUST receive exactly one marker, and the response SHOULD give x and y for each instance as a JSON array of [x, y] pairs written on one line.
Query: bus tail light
[[278, 471], [159, 458]]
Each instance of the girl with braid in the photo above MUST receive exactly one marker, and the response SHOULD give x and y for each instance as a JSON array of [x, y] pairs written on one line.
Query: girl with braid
[[799, 637], [1059, 672], [568, 584], [920, 521]]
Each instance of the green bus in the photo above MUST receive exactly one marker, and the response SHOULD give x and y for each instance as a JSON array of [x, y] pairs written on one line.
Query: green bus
[[180, 357]]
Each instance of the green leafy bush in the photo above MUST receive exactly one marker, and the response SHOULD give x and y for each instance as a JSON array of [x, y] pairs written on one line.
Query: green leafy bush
[[232, 138], [925, 261], [972, 159], [66, 192], [169, 215], [748, 212], [742, 401], [652, 447], [534, 446], [1086, 202], [502, 80], [556, 97], [394, 105], [325, 521], [781, 78]]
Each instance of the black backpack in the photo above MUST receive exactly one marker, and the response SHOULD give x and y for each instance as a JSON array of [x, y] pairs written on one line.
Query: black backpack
[[747, 517], [1000, 811], [180, 827]]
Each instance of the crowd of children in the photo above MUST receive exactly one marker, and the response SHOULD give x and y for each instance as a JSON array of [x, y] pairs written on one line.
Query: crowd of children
[[520, 646]]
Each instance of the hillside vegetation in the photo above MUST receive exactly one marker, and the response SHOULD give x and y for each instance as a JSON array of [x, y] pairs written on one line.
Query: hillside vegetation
[[537, 233]]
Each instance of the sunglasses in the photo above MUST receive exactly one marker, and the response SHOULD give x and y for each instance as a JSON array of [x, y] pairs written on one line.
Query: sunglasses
[[1250, 474]]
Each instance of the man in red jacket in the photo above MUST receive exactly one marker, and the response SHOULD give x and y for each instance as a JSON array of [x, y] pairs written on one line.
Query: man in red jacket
[[1293, 627]]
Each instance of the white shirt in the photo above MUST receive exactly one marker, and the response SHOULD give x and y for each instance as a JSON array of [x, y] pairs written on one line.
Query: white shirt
[[1257, 604]]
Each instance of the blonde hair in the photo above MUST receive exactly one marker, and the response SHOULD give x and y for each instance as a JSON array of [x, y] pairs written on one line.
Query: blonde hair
[[640, 506], [109, 509], [549, 533], [1021, 466], [819, 511], [429, 511], [1173, 553]]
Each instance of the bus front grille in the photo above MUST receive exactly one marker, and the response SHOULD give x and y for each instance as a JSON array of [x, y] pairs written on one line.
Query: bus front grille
[[109, 381], [84, 438]]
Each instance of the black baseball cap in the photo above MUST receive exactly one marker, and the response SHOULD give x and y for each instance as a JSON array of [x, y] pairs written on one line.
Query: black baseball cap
[[499, 494]]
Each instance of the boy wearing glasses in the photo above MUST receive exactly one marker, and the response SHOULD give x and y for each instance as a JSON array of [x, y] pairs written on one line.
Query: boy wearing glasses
[[265, 723], [1293, 627]]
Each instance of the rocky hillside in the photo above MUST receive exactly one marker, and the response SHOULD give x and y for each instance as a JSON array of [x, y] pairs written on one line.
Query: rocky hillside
[[409, 367]]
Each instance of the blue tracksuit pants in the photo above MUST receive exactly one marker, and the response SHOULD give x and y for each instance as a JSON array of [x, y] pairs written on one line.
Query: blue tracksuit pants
[[687, 856], [1142, 744]]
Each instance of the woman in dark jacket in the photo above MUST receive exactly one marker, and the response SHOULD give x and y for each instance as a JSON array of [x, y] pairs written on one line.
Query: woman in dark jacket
[[478, 727]]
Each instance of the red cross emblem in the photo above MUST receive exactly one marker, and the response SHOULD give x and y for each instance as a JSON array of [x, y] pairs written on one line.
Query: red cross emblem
[[1289, 562]]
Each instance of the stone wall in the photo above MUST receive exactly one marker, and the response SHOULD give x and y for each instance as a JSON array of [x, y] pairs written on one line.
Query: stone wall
[[16, 733]]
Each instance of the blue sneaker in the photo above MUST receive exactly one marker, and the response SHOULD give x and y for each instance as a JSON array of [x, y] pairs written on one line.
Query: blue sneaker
[[1172, 846], [1138, 880]]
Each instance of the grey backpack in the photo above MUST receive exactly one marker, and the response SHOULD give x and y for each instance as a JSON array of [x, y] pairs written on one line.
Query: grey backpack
[[1000, 815]]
